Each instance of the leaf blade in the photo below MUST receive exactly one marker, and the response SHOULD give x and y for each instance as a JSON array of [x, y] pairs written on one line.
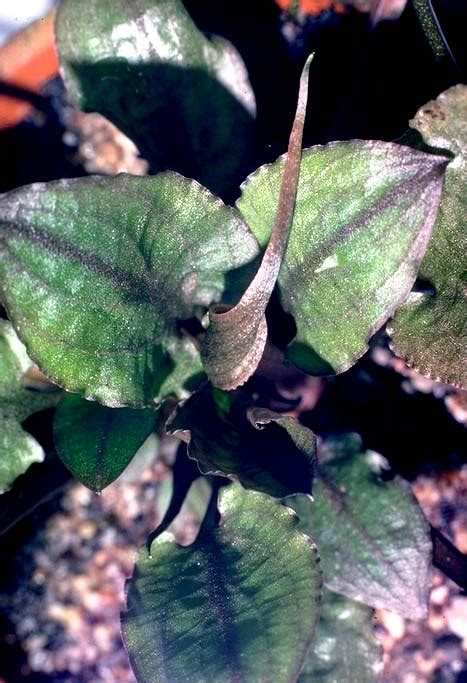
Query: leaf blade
[[216, 623], [374, 542], [345, 647], [19, 449], [108, 267], [96, 442], [176, 92], [352, 256], [263, 450], [429, 330]]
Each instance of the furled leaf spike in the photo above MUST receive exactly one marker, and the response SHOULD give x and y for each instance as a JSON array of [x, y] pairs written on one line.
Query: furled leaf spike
[[236, 336]]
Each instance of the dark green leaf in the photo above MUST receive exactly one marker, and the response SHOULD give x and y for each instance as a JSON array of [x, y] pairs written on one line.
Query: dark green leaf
[[345, 649], [236, 336], [240, 604], [363, 218], [429, 330], [18, 448], [95, 442], [262, 449], [374, 541], [185, 99], [98, 272]]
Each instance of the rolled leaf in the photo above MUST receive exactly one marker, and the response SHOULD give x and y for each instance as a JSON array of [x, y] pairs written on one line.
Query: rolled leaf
[[240, 604], [96, 442], [363, 217], [98, 274], [236, 337], [429, 330], [374, 541]]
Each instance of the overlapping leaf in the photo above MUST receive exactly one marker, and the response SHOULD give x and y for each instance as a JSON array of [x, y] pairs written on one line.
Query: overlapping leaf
[[363, 217], [264, 450], [373, 539], [184, 98], [18, 448], [429, 330], [240, 604], [345, 647], [95, 442], [97, 273]]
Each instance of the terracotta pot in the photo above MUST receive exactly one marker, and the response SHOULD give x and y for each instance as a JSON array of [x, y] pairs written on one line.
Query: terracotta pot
[[27, 61]]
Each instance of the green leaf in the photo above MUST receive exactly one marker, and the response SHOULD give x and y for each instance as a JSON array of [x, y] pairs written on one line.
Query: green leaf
[[240, 604], [429, 330], [345, 647], [98, 273], [374, 541], [95, 442], [264, 450], [19, 449], [184, 98], [363, 217]]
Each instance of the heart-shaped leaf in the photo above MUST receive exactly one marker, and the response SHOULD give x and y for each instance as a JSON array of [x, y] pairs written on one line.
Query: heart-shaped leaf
[[240, 604], [18, 448], [374, 541], [264, 450], [345, 647], [98, 272], [184, 98], [95, 442], [363, 217], [429, 330]]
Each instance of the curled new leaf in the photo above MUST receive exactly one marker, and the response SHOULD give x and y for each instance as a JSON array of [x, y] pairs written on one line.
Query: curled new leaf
[[429, 330], [264, 450], [99, 273], [236, 336], [240, 604], [18, 448], [374, 541], [97, 443], [363, 217]]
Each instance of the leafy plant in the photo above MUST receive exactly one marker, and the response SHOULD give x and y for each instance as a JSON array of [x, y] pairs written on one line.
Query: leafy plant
[[151, 298]]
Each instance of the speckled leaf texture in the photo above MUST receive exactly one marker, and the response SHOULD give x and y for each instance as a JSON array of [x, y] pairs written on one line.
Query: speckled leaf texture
[[345, 648], [97, 273], [373, 539], [429, 331], [363, 217], [184, 98], [264, 450], [96, 442], [240, 604], [18, 448]]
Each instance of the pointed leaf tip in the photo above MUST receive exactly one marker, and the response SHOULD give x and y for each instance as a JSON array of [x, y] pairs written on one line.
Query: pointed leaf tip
[[236, 336]]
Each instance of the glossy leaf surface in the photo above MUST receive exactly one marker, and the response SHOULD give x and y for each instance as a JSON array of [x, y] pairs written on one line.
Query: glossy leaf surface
[[363, 217], [345, 647], [429, 330], [262, 449], [184, 98], [240, 604], [98, 272], [95, 442], [18, 448], [373, 539]]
